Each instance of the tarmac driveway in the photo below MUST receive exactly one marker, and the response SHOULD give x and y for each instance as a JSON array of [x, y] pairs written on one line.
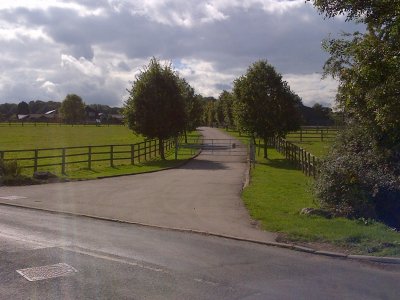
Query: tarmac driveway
[[203, 195]]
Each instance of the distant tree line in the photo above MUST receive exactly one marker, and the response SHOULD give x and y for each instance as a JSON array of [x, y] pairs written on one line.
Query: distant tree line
[[9, 111]]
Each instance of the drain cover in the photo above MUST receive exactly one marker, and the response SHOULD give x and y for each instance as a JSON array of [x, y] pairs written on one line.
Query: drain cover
[[47, 272], [12, 197]]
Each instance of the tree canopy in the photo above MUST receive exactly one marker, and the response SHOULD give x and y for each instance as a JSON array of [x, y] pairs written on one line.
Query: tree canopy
[[155, 107], [368, 65], [23, 108], [266, 106], [361, 173], [72, 109]]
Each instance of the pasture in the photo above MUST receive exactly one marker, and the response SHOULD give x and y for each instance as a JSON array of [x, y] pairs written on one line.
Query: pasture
[[85, 151], [313, 139]]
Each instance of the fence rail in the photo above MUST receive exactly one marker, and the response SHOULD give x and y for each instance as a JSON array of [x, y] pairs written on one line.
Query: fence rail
[[64, 156], [304, 160]]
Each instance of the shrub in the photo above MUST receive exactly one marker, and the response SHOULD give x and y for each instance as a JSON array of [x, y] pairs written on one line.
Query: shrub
[[10, 174], [360, 179], [9, 168]]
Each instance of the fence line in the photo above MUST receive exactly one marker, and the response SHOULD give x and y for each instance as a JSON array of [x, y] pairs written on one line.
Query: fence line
[[302, 159], [54, 123], [45, 157]]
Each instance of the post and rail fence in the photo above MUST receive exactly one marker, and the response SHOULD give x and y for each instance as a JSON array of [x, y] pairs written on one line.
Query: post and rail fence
[[64, 156], [302, 159]]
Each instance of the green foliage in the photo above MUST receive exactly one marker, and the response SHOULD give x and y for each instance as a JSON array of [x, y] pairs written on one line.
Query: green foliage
[[9, 168], [266, 105], [23, 108], [226, 100], [155, 107], [193, 107], [277, 193], [72, 109], [358, 179], [361, 175], [368, 65]]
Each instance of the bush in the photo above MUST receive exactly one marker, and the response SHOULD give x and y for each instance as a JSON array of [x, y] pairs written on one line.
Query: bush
[[9, 168], [360, 179], [10, 174]]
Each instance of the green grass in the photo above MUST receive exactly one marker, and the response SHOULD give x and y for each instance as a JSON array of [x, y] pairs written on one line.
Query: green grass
[[33, 137], [278, 192], [312, 142], [54, 136]]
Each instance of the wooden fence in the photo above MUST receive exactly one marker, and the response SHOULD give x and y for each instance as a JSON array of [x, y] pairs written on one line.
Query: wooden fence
[[313, 133], [304, 160], [50, 157]]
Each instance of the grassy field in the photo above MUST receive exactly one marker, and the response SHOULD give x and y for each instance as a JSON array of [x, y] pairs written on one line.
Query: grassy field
[[278, 192], [31, 137], [54, 136], [312, 141]]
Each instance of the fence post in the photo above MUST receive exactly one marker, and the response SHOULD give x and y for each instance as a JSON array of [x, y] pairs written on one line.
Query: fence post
[[322, 135], [301, 135], [90, 157], [63, 161], [313, 164], [176, 148], [112, 156], [1, 155], [309, 164], [35, 161], [145, 150], [139, 153], [132, 154]]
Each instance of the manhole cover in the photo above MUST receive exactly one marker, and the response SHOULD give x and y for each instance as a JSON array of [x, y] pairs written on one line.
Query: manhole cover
[[47, 272], [12, 197]]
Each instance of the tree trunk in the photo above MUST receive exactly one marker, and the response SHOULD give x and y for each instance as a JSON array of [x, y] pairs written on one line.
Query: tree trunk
[[265, 148], [161, 150]]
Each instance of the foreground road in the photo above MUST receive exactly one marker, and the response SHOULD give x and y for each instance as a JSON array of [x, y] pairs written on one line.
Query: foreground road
[[122, 261]]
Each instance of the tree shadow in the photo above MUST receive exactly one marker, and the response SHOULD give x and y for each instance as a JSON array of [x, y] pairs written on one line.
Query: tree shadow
[[204, 165]]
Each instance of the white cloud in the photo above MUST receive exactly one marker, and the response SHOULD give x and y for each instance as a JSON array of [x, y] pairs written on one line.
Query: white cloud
[[82, 65], [96, 47], [312, 88]]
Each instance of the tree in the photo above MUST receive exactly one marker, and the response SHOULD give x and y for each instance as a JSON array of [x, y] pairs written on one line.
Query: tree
[[368, 65], [226, 100], [155, 106], [23, 108], [72, 109], [193, 107], [266, 107], [362, 170]]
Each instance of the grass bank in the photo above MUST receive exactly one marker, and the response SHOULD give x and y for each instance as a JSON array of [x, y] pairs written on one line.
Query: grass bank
[[278, 192]]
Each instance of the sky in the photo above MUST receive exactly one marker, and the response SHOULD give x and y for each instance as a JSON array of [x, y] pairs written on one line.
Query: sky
[[95, 48]]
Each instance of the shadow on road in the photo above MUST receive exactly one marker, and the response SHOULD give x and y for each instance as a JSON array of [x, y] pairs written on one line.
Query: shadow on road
[[204, 165]]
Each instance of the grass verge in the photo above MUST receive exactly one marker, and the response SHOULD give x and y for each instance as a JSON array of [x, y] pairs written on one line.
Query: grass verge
[[277, 193]]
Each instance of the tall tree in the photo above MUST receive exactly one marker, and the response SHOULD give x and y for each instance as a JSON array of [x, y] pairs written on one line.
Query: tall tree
[[361, 173], [193, 107], [226, 100], [368, 65], [266, 107], [23, 108], [72, 109], [155, 106]]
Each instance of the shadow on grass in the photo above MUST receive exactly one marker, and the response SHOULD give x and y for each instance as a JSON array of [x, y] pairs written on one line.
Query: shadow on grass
[[277, 163]]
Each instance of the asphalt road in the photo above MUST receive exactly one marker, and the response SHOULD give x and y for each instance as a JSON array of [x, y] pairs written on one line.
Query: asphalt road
[[122, 261], [203, 195]]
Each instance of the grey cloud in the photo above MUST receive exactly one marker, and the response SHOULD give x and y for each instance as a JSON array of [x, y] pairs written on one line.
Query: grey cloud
[[291, 41]]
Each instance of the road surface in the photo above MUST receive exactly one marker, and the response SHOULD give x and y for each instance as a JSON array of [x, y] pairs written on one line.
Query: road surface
[[123, 261]]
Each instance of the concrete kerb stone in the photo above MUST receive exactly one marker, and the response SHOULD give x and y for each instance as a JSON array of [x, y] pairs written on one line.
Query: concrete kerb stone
[[365, 258]]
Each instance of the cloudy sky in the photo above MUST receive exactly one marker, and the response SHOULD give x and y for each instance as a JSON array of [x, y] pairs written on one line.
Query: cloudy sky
[[94, 48]]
